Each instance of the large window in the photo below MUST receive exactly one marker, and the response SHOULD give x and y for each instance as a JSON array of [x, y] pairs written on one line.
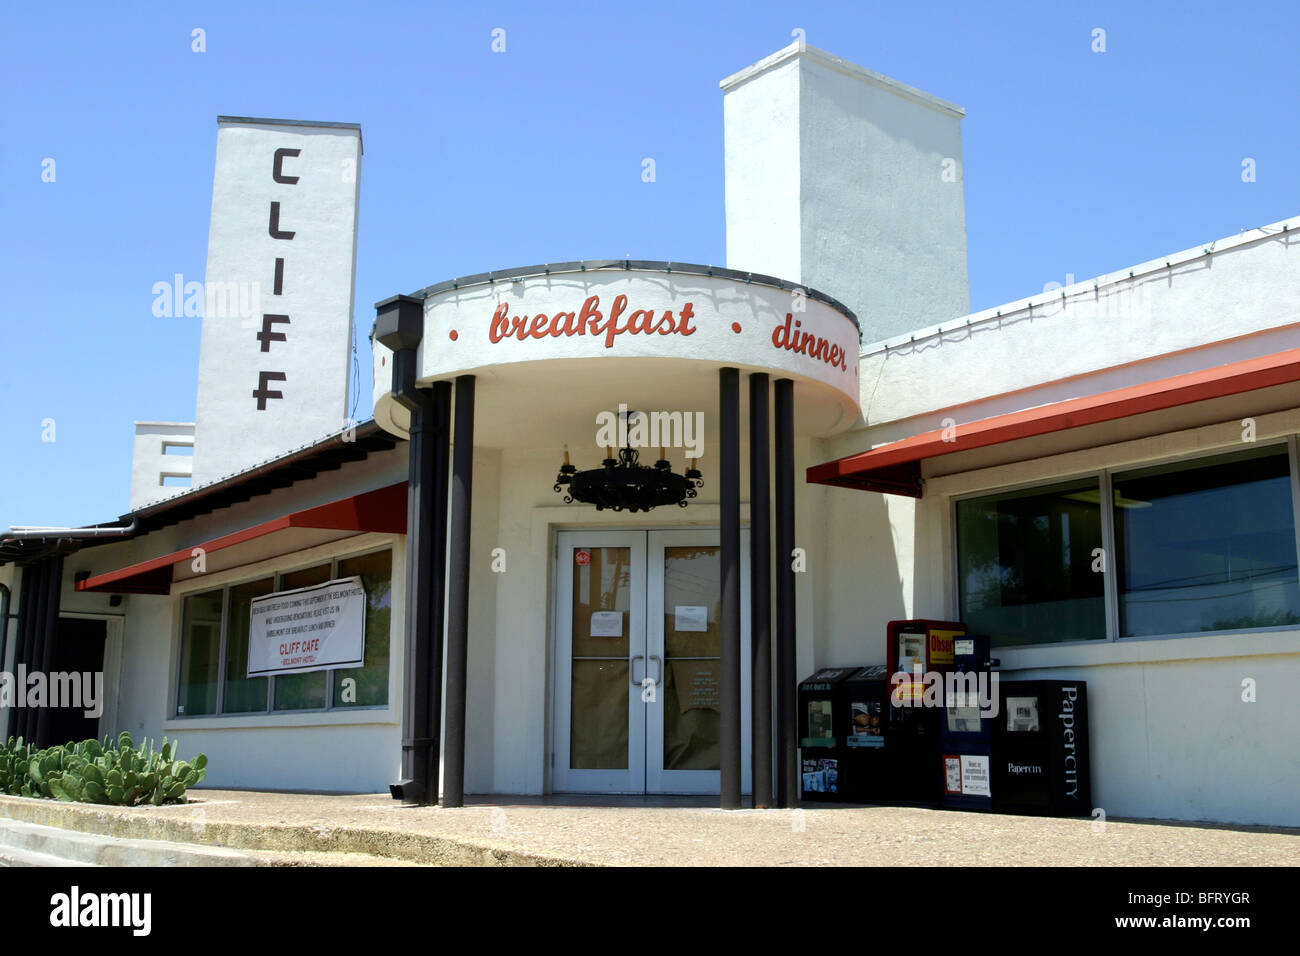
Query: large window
[[214, 647], [1207, 545], [1201, 545], [1027, 564]]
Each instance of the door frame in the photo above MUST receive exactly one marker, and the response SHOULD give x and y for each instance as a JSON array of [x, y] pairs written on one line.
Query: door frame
[[632, 779], [640, 778], [659, 780]]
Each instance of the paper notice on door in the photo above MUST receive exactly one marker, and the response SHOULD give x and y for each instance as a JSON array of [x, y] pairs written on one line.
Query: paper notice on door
[[691, 617], [607, 624], [952, 774], [975, 776]]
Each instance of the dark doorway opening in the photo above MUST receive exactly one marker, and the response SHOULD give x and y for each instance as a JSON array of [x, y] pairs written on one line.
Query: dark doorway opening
[[79, 649]]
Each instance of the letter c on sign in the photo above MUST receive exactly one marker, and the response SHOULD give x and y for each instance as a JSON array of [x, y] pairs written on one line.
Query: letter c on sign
[[277, 173]]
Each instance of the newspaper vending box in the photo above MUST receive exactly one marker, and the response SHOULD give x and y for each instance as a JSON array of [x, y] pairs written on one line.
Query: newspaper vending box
[[820, 733], [966, 727], [1040, 747], [913, 650], [863, 773]]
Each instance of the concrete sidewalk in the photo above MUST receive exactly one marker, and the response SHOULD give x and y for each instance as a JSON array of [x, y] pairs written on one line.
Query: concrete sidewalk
[[636, 831]]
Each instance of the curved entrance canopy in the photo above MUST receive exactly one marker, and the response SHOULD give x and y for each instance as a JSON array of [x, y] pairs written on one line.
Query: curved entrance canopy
[[551, 345]]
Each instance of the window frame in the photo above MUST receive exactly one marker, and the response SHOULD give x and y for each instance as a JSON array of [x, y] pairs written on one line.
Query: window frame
[[1110, 584], [276, 576]]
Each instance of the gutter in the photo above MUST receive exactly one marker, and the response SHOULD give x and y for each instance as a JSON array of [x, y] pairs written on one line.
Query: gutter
[[30, 532]]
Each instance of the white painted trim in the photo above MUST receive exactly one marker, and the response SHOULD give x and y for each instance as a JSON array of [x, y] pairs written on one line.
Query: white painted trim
[[801, 49]]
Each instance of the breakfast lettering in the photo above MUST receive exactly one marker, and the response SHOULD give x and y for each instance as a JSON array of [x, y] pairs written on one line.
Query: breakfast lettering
[[805, 343], [619, 320], [590, 321]]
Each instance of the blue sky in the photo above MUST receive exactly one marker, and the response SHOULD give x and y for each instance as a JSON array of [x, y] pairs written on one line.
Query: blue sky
[[1075, 162]]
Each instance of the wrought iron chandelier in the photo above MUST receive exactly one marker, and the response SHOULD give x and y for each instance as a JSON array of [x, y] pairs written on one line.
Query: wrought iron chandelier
[[623, 484]]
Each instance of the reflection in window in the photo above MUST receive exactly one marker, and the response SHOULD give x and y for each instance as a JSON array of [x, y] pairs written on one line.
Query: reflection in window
[[1207, 545], [200, 652], [243, 694], [368, 685], [302, 691], [1025, 565]]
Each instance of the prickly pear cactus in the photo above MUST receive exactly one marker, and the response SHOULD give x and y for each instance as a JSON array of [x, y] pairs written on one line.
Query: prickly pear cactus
[[114, 772]]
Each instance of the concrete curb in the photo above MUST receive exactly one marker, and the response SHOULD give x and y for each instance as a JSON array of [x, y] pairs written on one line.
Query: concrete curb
[[185, 824], [78, 847]]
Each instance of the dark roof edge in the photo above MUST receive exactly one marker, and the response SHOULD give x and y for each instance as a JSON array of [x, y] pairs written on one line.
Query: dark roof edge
[[606, 265]]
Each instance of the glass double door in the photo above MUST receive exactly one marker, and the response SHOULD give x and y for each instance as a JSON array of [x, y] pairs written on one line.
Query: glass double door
[[638, 661]]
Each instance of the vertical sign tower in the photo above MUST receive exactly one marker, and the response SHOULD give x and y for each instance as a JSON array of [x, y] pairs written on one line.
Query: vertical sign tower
[[277, 325]]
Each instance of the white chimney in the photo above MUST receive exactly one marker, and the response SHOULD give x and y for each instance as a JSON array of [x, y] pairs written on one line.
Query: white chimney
[[849, 182]]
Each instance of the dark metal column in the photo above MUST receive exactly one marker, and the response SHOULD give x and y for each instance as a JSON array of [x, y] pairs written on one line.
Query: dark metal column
[[462, 486], [48, 631], [35, 641], [22, 649], [760, 586], [787, 756], [729, 495], [436, 580]]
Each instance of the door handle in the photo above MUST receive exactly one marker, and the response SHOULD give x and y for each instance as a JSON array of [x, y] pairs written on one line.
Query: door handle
[[658, 660], [631, 668]]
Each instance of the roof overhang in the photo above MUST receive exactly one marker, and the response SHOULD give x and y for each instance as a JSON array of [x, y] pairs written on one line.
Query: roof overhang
[[895, 468], [381, 510]]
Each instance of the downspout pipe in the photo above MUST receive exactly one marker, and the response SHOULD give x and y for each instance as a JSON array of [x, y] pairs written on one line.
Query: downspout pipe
[[399, 327]]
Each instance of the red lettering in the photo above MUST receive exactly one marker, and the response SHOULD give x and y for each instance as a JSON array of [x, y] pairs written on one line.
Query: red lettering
[[781, 334], [686, 314], [611, 327], [667, 324], [645, 325], [836, 356], [569, 327], [518, 327], [500, 323], [535, 329], [590, 310]]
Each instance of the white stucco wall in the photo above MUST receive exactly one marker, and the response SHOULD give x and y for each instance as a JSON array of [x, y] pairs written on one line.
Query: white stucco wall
[[150, 462]]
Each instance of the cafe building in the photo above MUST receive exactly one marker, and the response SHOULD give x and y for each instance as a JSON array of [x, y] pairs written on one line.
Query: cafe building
[[607, 514]]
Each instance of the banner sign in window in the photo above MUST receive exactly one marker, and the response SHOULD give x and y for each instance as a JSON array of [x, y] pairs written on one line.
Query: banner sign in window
[[318, 628]]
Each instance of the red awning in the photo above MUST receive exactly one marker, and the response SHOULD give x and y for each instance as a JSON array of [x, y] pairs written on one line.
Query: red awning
[[896, 468], [382, 510]]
